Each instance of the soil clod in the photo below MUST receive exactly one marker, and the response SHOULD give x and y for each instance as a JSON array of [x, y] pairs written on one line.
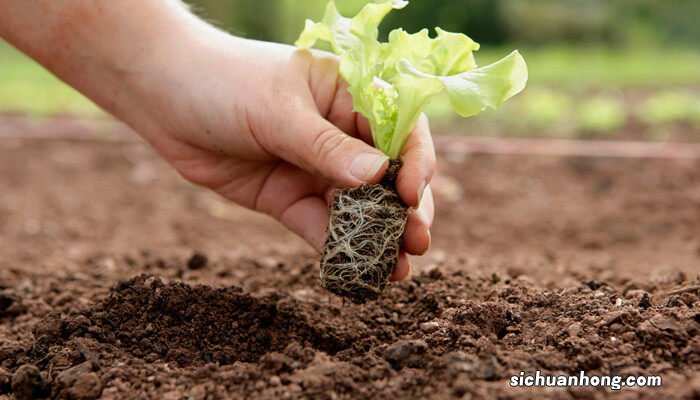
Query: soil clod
[[5, 380], [197, 261], [645, 301], [6, 300], [87, 386], [11, 305], [406, 353], [27, 383]]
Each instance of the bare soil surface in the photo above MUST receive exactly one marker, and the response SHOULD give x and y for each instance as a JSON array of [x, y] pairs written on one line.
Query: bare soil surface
[[119, 280]]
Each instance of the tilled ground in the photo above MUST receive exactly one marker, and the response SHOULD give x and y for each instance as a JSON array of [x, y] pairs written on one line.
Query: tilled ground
[[119, 280]]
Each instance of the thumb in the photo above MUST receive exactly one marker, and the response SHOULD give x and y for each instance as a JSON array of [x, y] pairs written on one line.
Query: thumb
[[326, 151]]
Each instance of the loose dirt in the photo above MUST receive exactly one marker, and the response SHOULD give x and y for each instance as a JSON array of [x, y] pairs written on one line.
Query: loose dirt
[[120, 281]]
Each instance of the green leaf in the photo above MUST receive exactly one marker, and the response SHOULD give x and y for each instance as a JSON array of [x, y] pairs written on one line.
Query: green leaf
[[365, 25], [489, 86], [413, 95], [391, 83], [333, 28], [447, 54], [345, 34], [472, 91], [469, 92]]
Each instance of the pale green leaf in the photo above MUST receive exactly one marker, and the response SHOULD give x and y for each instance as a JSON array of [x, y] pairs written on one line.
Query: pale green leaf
[[391, 83], [489, 86]]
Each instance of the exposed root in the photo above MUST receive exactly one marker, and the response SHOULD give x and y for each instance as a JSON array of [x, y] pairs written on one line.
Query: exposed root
[[364, 238]]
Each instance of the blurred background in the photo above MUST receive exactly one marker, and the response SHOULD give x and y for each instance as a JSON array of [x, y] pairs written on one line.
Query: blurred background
[[624, 69]]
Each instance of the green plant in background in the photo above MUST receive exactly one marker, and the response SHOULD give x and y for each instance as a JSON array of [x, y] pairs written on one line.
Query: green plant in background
[[601, 114], [628, 23], [670, 106], [392, 82], [543, 108], [574, 48], [578, 67], [26, 87]]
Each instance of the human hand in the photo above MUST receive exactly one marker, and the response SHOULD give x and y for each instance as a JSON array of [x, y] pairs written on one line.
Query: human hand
[[264, 125], [272, 128]]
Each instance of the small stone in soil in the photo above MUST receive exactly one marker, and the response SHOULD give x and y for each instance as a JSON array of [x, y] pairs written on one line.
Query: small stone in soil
[[429, 327], [197, 261], [400, 353]]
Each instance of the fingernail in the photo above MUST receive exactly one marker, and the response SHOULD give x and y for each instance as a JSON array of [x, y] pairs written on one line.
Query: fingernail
[[366, 166], [421, 190]]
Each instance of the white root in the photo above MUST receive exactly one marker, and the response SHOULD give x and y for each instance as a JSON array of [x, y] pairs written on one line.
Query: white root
[[364, 238]]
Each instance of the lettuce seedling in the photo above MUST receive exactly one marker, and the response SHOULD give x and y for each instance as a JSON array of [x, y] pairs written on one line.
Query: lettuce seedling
[[392, 82]]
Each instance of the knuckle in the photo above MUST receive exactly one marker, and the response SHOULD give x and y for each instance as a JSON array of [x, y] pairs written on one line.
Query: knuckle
[[339, 108], [327, 143]]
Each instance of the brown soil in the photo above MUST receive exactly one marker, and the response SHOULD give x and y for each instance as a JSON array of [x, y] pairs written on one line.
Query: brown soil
[[119, 280]]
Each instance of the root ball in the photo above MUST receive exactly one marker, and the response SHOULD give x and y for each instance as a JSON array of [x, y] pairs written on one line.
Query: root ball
[[364, 239]]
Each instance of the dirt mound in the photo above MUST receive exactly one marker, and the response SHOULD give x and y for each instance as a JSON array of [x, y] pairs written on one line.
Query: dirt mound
[[194, 325]]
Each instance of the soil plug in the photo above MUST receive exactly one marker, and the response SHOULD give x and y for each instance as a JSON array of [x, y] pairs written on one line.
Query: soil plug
[[390, 84], [364, 239]]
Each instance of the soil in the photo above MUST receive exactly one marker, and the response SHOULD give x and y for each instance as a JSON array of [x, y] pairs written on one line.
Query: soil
[[118, 280], [364, 239]]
